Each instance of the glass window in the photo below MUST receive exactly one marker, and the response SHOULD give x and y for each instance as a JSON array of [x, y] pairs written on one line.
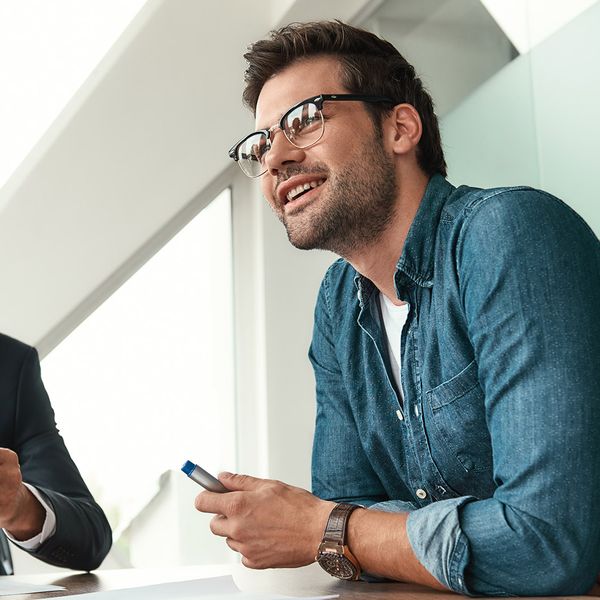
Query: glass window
[[147, 381]]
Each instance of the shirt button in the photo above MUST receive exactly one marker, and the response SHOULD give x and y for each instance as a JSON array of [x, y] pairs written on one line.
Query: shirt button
[[421, 494], [400, 415]]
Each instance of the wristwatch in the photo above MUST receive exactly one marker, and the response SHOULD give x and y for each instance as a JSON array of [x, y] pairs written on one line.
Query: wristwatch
[[333, 553]]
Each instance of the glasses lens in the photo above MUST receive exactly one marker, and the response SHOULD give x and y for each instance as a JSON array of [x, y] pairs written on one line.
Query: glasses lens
[[303, 125], [251, 154]]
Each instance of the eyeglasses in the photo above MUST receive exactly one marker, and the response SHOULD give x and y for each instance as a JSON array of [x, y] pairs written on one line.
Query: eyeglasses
[[303, 125]]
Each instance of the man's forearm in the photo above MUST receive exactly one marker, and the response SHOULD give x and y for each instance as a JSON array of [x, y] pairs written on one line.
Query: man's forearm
[[380, 543]]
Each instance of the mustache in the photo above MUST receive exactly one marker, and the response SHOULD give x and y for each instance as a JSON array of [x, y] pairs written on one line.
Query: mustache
[[316, 169]]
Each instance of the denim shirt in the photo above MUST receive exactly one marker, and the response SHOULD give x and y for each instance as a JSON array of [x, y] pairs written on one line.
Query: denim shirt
[[495, 446]]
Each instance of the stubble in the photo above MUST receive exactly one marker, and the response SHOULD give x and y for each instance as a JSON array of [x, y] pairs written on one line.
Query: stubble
[[353, 211]]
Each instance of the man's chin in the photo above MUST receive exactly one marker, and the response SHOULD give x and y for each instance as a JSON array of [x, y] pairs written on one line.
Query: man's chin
[[309, 235], [304, 243], [301, 243], [301, 240]]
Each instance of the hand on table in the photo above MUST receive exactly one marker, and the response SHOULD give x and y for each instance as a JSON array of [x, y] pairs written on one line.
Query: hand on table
[[20, 512], [269, 523]]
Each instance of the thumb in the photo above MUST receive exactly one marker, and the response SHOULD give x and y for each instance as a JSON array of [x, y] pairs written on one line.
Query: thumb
[[240, 483]]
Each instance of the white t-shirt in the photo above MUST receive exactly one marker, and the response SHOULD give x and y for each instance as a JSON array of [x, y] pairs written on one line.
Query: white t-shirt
[[394, 318]]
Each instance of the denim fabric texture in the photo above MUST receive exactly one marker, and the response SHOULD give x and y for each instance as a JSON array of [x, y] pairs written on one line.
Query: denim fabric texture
[[497, 441]]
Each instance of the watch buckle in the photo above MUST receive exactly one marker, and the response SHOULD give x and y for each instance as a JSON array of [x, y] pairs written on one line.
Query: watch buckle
[[327, 547]]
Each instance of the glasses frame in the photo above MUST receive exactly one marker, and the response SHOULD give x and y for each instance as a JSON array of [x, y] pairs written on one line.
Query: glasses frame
[[318, 101]]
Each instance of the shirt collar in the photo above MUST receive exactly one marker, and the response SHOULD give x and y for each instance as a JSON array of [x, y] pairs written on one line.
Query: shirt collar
[[415, 265], [417, 260]]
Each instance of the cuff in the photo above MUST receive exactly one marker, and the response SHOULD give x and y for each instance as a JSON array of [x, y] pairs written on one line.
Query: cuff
[[438, 542], [48, 528], [394, 506]]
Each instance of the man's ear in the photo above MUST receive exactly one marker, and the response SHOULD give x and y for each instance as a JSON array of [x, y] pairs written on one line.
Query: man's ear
[[403, 128]]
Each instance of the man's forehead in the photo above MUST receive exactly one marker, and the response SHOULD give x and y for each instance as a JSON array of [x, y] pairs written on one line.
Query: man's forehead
[[302, 79]]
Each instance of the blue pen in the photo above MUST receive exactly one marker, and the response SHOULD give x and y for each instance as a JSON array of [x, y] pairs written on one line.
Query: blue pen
[[202, 477]]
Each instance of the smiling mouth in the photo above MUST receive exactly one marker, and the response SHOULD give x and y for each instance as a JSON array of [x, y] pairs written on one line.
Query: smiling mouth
[[300, 190]]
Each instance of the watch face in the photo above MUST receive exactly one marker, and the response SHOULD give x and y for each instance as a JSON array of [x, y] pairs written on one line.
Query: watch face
[[337, 565]]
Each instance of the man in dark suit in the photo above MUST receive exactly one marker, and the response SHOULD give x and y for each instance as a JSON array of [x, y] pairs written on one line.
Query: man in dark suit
[[45, 506]]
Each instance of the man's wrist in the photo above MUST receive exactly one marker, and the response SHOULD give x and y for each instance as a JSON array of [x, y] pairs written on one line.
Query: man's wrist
[[325, 509], [29, 518], [334, 554]]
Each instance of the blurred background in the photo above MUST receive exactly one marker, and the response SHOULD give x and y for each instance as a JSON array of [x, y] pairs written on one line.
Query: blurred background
[[171, 313]]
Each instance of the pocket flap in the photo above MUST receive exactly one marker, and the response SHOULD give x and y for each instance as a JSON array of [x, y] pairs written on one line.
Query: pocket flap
[[454, 388]]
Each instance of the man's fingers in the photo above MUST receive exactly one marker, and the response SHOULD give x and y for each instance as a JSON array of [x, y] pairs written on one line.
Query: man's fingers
[[243, 483], [232, 502], [211, 502], [235, 546], [251, 564], [218, 525], [10, 471], [8, 457], [228, 505]]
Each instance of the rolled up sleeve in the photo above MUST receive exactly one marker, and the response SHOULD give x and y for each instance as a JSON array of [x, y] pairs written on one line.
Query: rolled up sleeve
[[436, 538]]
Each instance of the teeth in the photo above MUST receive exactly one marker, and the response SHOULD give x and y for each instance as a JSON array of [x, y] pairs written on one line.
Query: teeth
[[303, 188]]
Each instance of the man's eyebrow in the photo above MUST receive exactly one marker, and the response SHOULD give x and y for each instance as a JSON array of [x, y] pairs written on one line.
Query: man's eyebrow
[[278, 119], [275, 122], [258, 128]]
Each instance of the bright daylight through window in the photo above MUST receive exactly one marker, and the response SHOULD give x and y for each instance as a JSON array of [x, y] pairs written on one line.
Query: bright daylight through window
[[146, 382]]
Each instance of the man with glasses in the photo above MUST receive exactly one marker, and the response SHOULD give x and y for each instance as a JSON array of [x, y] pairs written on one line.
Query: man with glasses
[[456, 343]]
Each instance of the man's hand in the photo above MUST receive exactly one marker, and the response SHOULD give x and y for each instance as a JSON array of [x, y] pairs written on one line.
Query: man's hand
[[20, 512], [269, 523]]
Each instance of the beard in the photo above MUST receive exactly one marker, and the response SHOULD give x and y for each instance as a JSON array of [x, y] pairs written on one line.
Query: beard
[[354, 210]]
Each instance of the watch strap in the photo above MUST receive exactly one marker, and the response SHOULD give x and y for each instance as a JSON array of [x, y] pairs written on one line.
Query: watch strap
[[337, 524]]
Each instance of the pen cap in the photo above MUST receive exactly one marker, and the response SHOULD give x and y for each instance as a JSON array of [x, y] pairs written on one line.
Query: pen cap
[[188, 467]]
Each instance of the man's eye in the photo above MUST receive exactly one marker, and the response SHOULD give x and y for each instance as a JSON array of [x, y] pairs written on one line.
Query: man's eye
[[259, 151]]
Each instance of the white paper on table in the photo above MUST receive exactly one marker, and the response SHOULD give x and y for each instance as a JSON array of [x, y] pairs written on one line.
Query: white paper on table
[[214, 588], [10, 586]]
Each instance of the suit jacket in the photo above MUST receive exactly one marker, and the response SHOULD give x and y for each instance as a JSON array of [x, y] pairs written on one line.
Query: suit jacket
[[27, 426]]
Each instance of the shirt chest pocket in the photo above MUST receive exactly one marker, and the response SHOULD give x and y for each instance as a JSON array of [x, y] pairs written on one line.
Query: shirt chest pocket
[[457, 426]]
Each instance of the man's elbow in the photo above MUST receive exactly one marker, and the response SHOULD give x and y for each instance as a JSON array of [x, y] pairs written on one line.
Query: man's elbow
[[534, 558], [101, 549], [575, 580], [550, 573], [97, 550]]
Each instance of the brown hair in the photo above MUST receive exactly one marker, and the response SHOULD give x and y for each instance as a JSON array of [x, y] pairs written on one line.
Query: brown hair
[[369, 65]]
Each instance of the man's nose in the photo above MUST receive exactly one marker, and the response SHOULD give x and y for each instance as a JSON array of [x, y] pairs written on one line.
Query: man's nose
[[282, 153]]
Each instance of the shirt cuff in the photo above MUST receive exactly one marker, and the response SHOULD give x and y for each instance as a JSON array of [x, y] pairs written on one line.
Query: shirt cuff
[[48, 528], [439, 543], [394, 506]]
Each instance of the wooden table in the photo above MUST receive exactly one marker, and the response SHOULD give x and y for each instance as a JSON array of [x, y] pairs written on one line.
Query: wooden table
[[306, 581]]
